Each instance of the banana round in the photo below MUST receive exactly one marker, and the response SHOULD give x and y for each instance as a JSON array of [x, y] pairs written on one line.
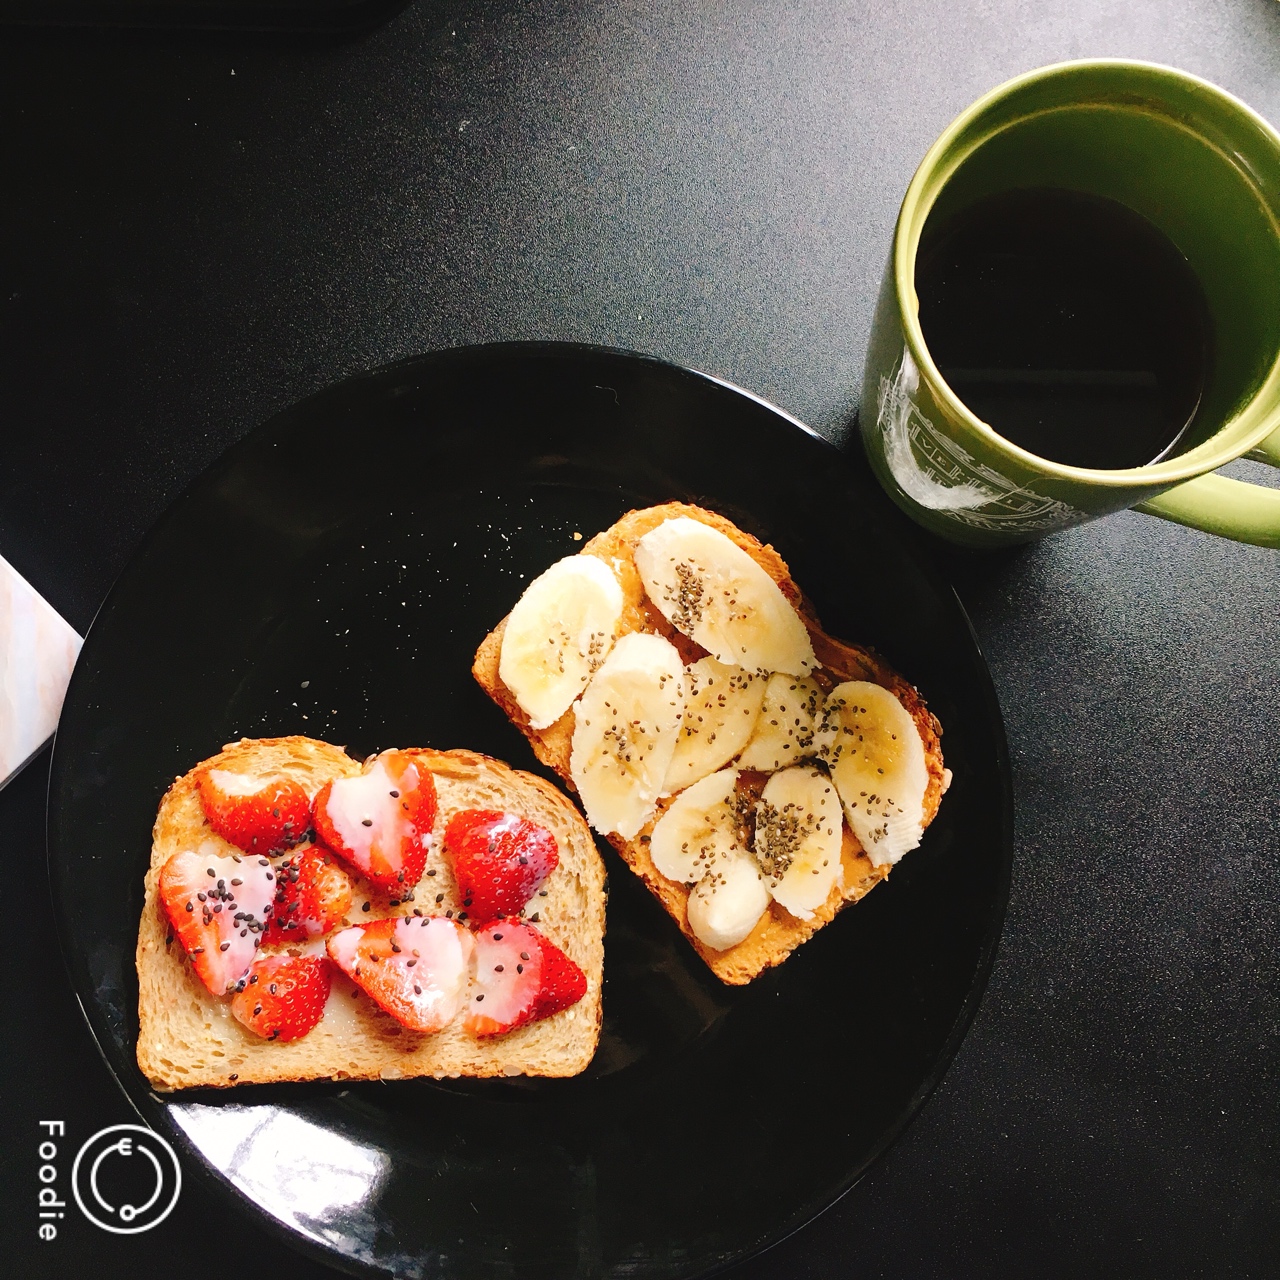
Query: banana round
[[877, 761], [625, 729], [699, 827], [728, 901], [559, 632], [799, 831], [722, 704], [712, 591]]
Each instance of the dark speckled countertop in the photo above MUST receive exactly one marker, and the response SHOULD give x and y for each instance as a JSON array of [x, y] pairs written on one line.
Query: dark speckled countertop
[[196, 231]]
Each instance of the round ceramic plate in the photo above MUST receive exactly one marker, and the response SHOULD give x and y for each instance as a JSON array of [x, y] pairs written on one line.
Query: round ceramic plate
[[332, 575]]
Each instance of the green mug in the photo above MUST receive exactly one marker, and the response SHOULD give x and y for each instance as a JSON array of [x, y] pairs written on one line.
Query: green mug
[[1203, 168]]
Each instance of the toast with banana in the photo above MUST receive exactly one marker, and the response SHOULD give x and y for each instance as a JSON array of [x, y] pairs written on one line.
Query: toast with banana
[[756, 773], [425, 913]]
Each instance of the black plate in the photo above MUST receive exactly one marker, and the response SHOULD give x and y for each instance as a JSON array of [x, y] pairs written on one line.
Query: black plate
[[331, 575]]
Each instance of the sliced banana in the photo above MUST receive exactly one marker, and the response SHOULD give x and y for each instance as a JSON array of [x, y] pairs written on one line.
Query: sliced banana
[[783, 733], [799, 830], [558, 634], [702, 825], [625, 731], [877, 761], [709, 589], [726, 903], [721, 705]]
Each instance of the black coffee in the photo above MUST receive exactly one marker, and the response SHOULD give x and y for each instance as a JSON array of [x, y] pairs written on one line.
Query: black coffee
[[1069, 323]]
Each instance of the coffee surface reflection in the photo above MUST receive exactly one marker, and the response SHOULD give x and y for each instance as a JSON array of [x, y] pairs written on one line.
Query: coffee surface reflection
[[1068, 323]]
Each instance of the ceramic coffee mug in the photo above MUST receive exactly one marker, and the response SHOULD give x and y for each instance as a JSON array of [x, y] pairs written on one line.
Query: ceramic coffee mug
[[1203, 168]]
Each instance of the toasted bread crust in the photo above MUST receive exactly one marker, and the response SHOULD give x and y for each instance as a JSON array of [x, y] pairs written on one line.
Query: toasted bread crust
[[778, 932], [188, 1037]]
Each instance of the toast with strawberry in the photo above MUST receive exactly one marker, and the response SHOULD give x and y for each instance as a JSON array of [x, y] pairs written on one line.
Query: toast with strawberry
[[307, 917]]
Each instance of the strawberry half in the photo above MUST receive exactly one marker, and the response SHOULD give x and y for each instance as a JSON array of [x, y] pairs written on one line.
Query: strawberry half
[[380, 821], [499, 860], [521, 977], [283, 997], [219, 908], [313, 893], [257, 814], [415, 967], [563, 982]]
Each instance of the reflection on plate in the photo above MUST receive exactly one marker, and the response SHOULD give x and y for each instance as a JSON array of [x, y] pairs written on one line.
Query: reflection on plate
[[363, 543]]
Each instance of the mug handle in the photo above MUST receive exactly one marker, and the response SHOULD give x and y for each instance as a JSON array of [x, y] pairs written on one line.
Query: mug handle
[[1229, 508]]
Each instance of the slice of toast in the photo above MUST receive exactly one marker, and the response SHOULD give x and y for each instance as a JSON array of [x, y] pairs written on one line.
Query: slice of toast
[[778, 932], [189, 1037]]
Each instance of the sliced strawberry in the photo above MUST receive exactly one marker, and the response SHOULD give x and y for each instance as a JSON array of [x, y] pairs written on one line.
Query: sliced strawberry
[[520, 977], [219, 908], [264, 814], [380, 821], [415, 967], [508, 978], [313, 893], [563, 983], [283, 997], [499, 860]]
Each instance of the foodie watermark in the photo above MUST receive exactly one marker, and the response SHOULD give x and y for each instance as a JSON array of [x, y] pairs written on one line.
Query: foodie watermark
[[125, 1179]]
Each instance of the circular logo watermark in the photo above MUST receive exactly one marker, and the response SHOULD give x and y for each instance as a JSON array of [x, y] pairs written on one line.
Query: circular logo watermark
[[132, 1165]]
